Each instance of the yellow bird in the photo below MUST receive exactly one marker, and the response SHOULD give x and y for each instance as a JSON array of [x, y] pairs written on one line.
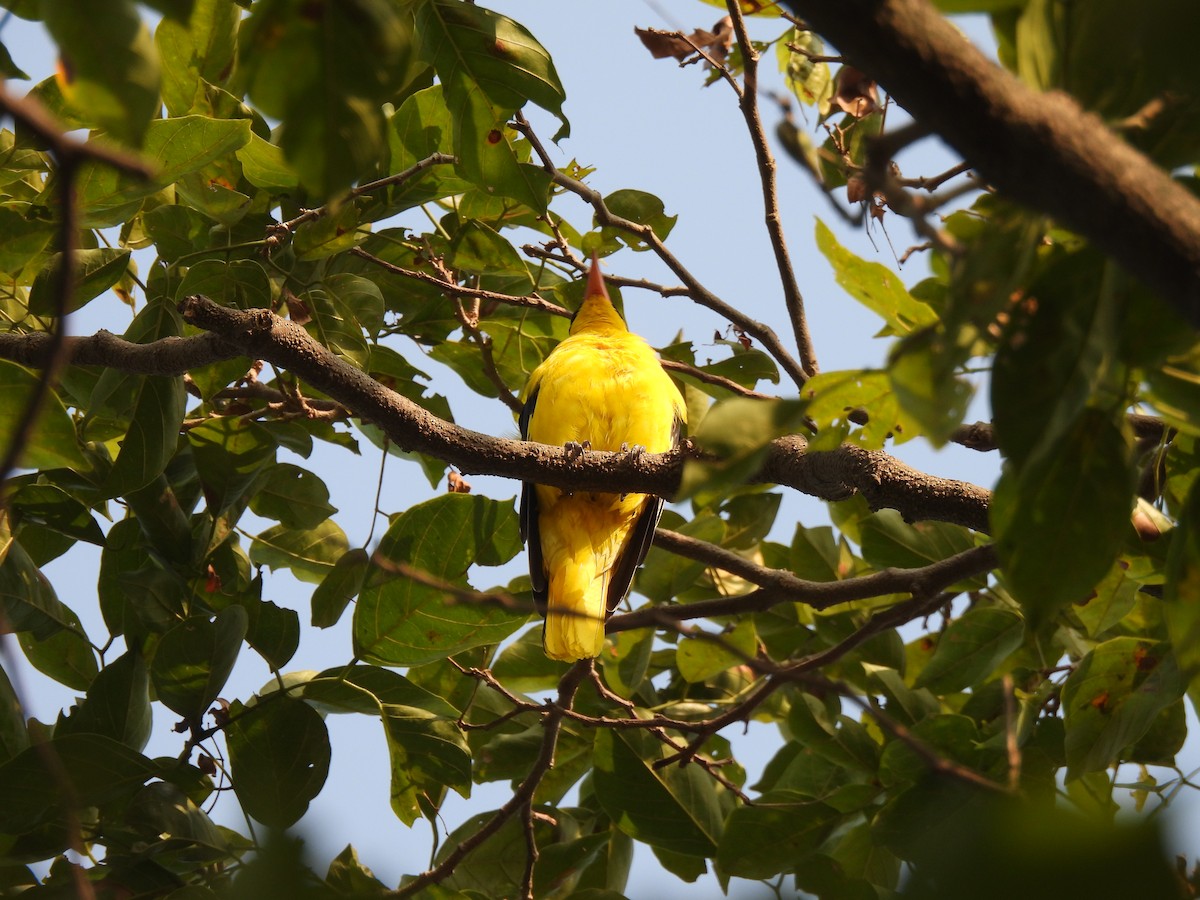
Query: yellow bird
[[602, 388]]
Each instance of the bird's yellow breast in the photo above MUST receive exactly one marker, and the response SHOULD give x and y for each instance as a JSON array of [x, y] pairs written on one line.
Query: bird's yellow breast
[[608, 389]]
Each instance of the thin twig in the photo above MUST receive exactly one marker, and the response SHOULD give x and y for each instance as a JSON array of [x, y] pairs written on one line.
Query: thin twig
[[748, 103], [702, 295], [551, 726], [531, 301], [435, 159]]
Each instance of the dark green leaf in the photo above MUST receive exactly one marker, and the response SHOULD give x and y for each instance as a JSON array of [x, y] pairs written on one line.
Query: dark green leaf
[[193, 660], [99, 768], [775, 835], [428, 753], [229, 453], [339, 587], [971, 648], [1061, 521], [1112, 698], [14, 736], [29, 601], [194, 49], [279, 754], [643, 209], [400, 622], [292, 496], [1181, 594], [673, 808], [117, 704], [66, 656], [95, 272]]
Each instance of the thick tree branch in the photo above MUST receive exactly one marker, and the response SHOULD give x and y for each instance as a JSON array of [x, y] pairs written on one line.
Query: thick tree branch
[[169, 356], [830, 475], [1040, 149]]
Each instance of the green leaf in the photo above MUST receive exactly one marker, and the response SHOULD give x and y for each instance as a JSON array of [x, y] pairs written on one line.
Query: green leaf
[[292, 496], [274, 632], [28, 598], [95, 272], [331, 137], [240, 283], [642, 208], [874, 286], [339, 587], [1060, 523], [736, 431], [66, 656], [834, 400], [1057, 356], [699, 659], [229, 454], [113, 74], [117, 704], [971, 648], [150, 442], [100, 769], [428, 753], [775, 835], [475, 49], [310, 553], [927, 387], [400, 622], [421, 127], [22, 238], [54, 443], [14, 735], [1113, 697], [175, 147], [341, 310], [193, 660], [887, 540], [196, 49], [279, 755], [675, 808], [264, 166], [1181, 592], [53, 508], [478, 248]]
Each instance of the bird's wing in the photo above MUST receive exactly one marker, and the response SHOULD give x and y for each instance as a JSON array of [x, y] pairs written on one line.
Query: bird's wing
[[640, 539], [529, 519]]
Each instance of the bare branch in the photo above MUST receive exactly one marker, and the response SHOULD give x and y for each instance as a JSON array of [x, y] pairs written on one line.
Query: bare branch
[[532, 301], [698, 292], [551, 725], [748, 103], [781, 586], [1039, 148]]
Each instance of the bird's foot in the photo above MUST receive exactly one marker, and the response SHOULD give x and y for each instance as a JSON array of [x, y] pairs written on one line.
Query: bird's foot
[[635, 451], [575, 450]]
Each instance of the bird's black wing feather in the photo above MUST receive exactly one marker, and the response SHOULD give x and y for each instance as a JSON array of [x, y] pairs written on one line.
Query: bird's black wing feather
[[640, 540], [529, 520]]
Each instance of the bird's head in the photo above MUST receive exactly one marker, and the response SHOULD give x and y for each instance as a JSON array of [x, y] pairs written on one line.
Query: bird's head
[[596, 313]]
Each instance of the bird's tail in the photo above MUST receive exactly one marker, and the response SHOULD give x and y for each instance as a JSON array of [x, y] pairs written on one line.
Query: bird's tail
[[576, 610]]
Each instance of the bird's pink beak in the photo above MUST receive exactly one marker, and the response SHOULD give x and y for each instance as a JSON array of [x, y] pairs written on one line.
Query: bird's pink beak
[[595, 285]]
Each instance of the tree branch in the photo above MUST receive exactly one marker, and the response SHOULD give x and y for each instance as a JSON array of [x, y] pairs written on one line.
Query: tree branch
[[698, 292], [1041, 149], [830, 475], [551, 726], [748, 103], [780, 586]]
